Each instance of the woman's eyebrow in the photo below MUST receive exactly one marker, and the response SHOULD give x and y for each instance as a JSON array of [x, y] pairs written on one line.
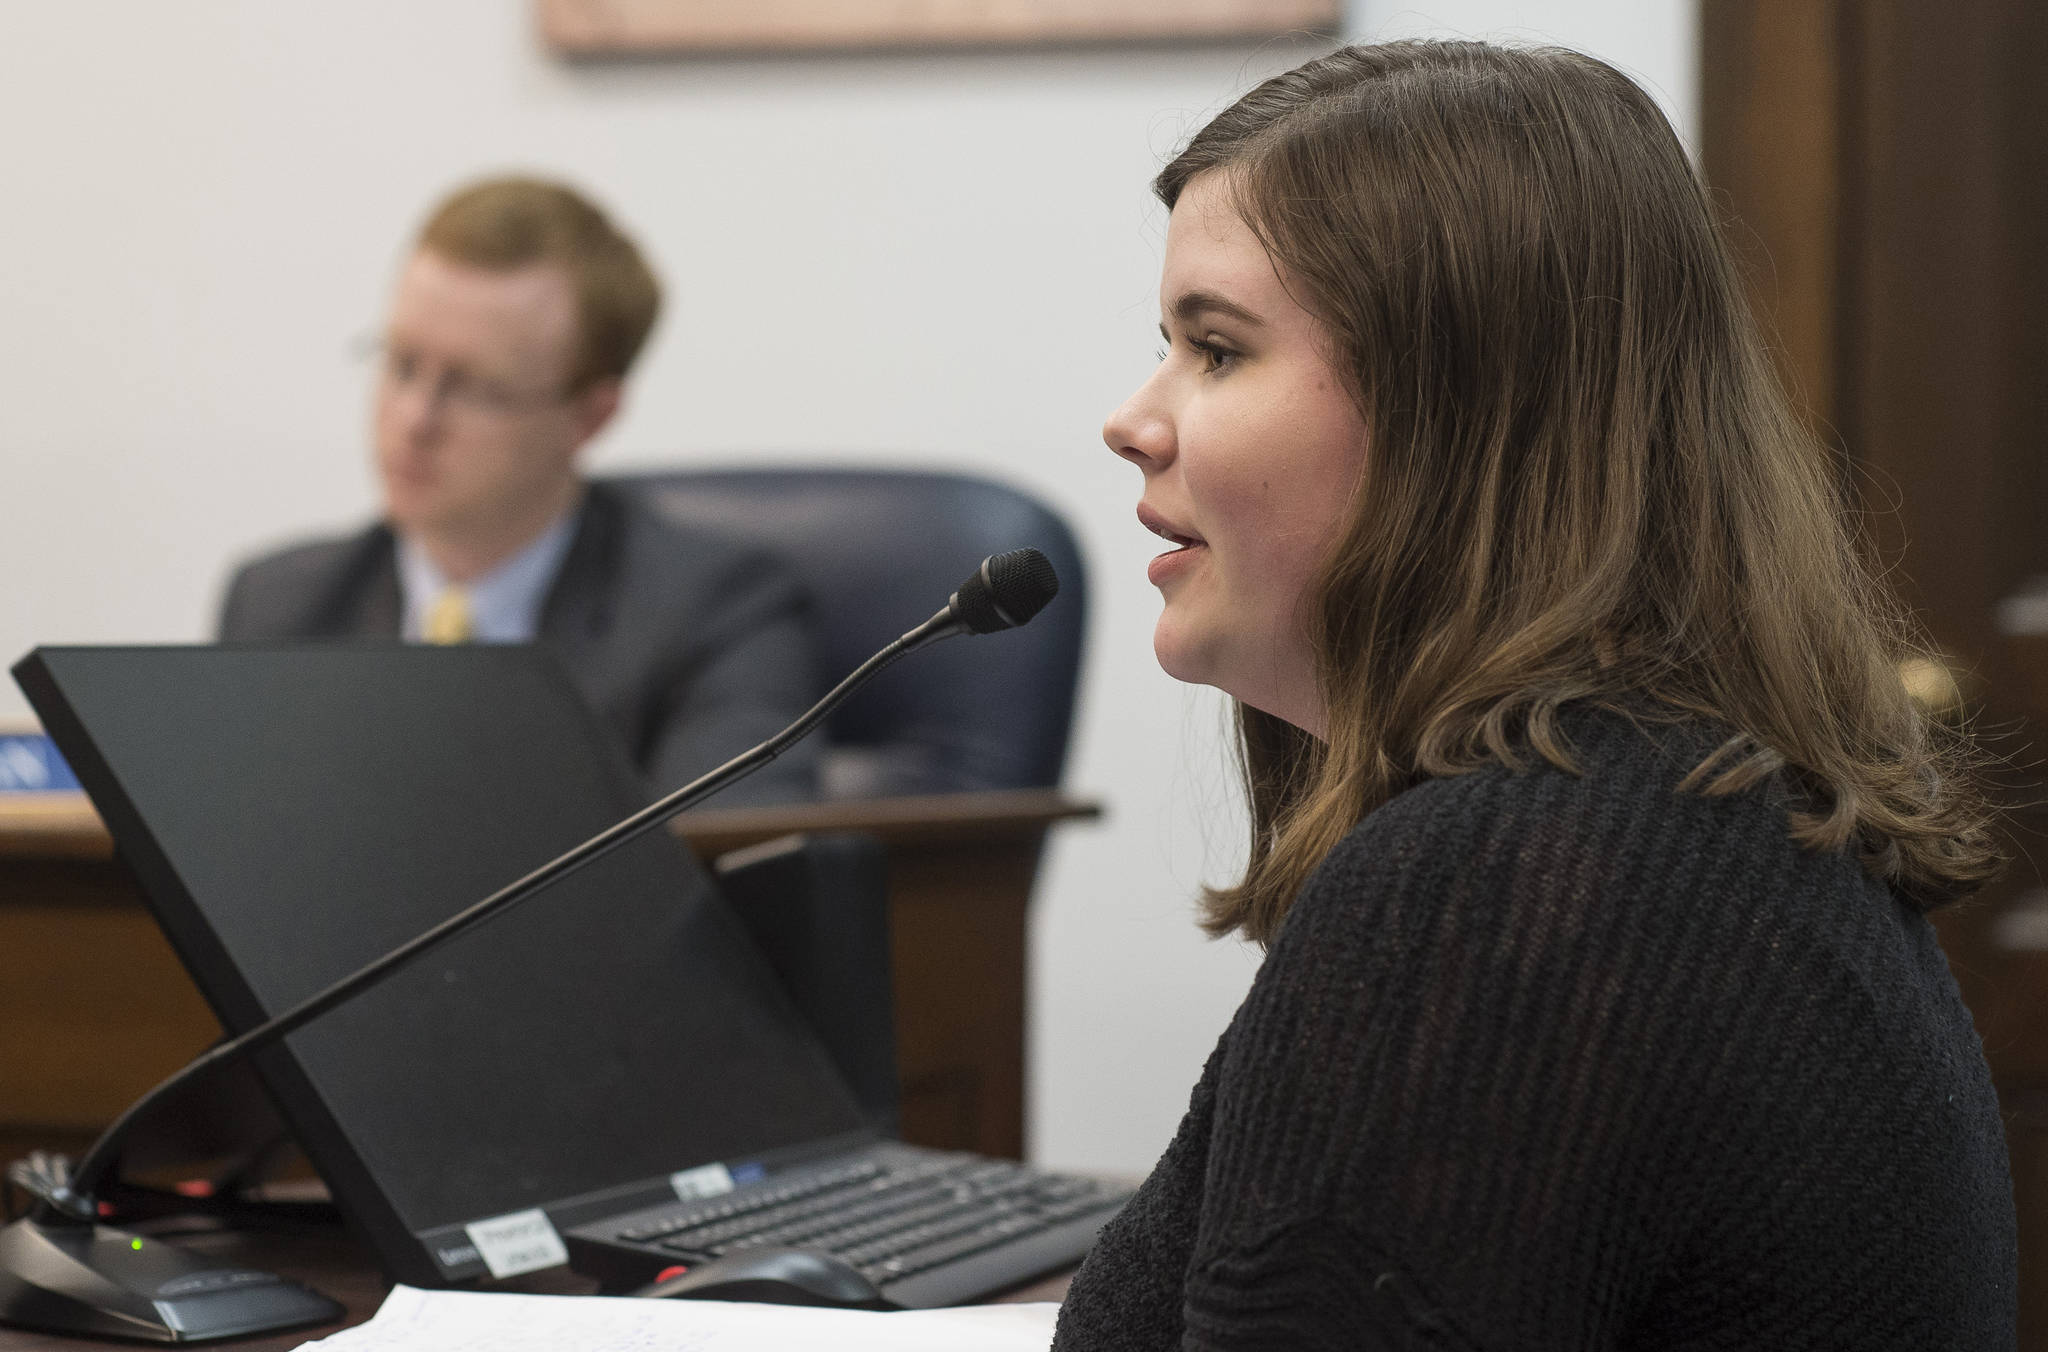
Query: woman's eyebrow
[[1191, 304]]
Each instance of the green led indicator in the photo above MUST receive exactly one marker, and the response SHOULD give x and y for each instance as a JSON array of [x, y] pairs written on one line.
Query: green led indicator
[[135, 1244]]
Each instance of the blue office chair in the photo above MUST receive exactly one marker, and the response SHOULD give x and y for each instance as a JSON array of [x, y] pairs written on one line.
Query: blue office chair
[[880, 551]]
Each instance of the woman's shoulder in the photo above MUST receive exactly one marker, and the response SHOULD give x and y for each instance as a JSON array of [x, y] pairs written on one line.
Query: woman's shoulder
[[1618, 832], [1624, 768], [1606, 906]]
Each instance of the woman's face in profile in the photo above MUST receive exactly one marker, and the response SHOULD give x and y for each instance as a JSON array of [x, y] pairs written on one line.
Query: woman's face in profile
[[1251, 450]]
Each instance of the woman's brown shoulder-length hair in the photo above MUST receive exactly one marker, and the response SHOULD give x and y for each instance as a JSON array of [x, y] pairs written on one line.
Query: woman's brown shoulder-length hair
[[1583, 482]]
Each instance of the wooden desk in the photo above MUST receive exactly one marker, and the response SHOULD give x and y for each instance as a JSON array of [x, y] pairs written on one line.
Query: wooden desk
[[327, 1260], [95, 1008]]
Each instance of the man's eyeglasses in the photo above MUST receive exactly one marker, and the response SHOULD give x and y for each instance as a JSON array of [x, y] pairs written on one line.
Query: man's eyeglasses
[[403, 369]]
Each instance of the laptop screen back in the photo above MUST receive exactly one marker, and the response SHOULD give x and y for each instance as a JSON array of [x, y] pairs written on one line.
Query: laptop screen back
[[295, 812]]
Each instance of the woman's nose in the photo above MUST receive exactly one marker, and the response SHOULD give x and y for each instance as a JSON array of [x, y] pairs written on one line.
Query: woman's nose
[[1140, 430]]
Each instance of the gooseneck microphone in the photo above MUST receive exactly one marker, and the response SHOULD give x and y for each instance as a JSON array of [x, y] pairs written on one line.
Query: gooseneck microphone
[[1007, 590]]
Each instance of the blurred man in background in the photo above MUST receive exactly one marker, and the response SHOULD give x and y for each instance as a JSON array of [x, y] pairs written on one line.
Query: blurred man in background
[[512, 328]]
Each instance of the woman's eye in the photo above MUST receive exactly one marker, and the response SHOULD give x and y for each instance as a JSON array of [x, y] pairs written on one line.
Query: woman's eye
[[1214, 357]]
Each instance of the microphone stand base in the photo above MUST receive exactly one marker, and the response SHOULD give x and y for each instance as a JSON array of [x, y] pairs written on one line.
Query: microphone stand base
[[62, 1276]]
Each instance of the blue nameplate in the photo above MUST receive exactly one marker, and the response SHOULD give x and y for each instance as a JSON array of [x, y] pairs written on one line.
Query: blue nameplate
[[29, 763]]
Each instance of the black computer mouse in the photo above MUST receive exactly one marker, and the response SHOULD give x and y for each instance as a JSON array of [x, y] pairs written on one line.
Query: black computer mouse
[[777, 1276]]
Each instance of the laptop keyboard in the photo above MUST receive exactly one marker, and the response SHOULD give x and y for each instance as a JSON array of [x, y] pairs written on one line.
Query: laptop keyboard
[[888, 1220]]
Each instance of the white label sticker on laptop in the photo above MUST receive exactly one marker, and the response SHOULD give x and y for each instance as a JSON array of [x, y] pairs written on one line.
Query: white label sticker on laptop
[[524, 1241], [707, 1180]]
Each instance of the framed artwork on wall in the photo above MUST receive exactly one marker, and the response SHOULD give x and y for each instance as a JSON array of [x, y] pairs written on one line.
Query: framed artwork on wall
[[592, 28]]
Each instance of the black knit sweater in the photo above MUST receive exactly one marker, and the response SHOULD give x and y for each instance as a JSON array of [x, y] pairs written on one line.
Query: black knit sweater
[[1544, 1061]]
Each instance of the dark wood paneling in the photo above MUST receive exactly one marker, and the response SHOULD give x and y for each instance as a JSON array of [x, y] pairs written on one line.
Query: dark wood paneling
[[1888, 164], [1923, 179], [1771, 131]]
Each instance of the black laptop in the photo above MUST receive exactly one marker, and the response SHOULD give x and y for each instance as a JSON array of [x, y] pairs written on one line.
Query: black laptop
[[608, 1076]]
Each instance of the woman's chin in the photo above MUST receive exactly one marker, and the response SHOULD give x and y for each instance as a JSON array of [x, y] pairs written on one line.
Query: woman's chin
[[1179, 656]]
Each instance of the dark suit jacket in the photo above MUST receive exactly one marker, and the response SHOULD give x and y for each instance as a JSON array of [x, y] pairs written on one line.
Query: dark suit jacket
[[693, 646]]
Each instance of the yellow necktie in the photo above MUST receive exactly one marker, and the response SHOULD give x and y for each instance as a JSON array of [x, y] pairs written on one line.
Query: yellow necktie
[[448, 619]]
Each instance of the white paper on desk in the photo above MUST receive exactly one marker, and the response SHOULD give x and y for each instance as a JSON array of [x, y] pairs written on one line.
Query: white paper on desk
[[485, 1321]]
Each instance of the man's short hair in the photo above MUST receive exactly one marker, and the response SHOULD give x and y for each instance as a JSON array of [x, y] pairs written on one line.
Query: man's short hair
[[509, 223]]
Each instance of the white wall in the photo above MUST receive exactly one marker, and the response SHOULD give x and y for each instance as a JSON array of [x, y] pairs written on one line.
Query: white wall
[[942, 259]]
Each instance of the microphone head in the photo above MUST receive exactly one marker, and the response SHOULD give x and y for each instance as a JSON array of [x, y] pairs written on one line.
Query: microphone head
[[1006, 591]]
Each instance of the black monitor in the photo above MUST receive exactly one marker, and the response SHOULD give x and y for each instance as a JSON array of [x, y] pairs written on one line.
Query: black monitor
[[294, 811]]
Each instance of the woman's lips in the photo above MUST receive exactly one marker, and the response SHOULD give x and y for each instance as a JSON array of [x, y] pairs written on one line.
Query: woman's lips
[[1174, 560], [1165, 567]]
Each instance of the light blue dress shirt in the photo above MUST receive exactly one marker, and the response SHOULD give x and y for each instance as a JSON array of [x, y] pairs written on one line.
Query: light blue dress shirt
[[504, 604]]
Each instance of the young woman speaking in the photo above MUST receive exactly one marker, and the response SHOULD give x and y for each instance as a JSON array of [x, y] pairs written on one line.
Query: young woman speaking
[[1591, 827]]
